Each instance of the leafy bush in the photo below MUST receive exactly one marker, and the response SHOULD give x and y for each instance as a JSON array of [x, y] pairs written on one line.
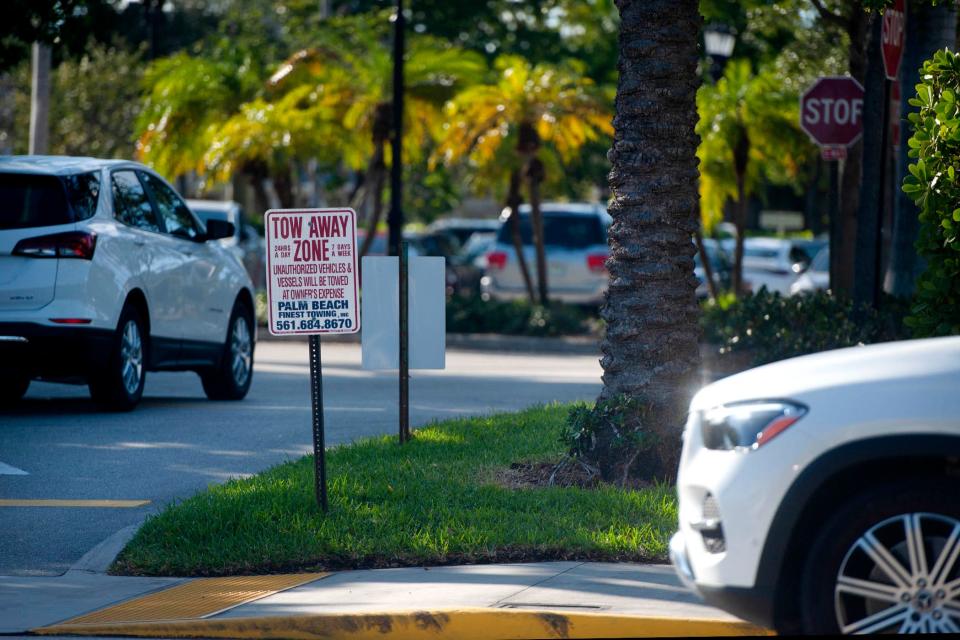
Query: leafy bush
[[933, 185], [773, 327], [473, 315], [610, 431]]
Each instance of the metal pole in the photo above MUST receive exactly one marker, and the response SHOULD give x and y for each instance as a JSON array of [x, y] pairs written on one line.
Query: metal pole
[[882, 200], [316, 400], [404, 348], [836, 227], [395, 217]]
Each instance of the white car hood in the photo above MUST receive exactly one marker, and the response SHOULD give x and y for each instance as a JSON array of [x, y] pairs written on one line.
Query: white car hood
[[936, 359]]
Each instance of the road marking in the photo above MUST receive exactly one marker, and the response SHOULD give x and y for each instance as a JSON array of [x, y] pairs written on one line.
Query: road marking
[[7, 470], [108, 504]]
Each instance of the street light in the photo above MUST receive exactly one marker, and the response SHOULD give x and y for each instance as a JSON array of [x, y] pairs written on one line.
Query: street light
[[718, 40]]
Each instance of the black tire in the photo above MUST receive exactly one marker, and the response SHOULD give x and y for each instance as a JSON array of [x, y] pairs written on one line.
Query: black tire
[[902, 600], [119, 386], [13, 386], [231, 379]]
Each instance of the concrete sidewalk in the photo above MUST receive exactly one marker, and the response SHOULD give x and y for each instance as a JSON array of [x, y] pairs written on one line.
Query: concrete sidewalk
[[537, 600]]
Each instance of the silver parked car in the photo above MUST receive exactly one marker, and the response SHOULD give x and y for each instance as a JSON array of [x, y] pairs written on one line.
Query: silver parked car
[[246, 243], [575, 239]]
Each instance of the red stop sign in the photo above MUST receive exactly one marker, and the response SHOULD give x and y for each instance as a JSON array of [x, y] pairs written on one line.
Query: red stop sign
[[892, 36], [831, 111]]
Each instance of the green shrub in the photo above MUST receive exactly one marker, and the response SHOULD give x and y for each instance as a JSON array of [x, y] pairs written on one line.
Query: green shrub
[[473, 315], [773, 327], [933, 185], [611, 431]]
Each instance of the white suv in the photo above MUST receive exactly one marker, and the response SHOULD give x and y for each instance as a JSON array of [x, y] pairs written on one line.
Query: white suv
[[822, 494], [106, 274]]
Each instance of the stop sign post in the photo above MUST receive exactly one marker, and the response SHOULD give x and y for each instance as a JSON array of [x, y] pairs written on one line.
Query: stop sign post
[[831, 112]]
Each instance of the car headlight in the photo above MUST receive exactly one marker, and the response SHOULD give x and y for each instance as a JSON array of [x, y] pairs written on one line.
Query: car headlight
[[748, 425]]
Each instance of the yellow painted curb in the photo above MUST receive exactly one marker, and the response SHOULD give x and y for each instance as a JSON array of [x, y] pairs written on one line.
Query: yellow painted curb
[[193, 600], [463, 624]]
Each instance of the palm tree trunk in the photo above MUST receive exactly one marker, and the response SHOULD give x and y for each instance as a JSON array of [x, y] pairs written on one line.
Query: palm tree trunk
[[651, 351], [513, 203], [707, 267], [741, 224], [535, 174], [378, 173]]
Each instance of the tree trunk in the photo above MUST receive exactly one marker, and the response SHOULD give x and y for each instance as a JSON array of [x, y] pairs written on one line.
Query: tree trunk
[[535, 174], [40, 101], [871, 198], [707, 267], [928, 28], [650, 351], [857, 26], [513, 203], [741, 224], [378, 173], [284, 187]]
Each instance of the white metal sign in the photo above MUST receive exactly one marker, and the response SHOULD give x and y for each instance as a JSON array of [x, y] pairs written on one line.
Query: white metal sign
[[312, 271], [427, 334]]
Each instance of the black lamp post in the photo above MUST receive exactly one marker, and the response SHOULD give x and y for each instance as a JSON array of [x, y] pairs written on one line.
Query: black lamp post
[[718, 41], [395, 215]]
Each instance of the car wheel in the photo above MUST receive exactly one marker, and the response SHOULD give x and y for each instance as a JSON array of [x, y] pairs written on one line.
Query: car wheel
[[887, 562], [12, 388], [231, 380], [119, 386]]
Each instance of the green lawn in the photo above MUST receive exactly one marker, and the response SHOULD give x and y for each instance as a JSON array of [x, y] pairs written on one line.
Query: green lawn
[[432, 501]]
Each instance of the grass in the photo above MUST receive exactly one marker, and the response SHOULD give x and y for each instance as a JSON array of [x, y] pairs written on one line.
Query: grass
[[433, 501]]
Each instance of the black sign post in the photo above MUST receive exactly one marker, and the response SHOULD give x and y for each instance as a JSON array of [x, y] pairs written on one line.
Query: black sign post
[[316, 401], [404, 345]]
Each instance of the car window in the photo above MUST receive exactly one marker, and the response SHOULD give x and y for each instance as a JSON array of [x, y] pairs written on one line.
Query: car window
[[560, 230], [174, 213], [83, 191], [760, 252], [131, 206], [32, 201]]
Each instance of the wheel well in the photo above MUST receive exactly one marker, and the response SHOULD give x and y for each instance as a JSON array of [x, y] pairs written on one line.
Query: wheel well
[[244, 297], [834, 491], [137, 300]]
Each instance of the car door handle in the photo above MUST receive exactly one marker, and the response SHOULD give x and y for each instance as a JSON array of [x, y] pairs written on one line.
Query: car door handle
[[140, 243]]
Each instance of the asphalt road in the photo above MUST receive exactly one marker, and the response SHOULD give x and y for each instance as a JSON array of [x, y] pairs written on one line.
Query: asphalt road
[[178, 442]]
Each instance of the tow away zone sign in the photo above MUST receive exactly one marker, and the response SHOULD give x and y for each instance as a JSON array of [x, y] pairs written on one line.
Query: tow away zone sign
[[312, 271]]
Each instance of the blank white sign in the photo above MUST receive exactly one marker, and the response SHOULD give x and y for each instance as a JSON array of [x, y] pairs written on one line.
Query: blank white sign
[[380, 296]]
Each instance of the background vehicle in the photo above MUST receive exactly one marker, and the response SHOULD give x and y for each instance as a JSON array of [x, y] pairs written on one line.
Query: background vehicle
[[817, 275], [106, 274], [462, 229], [246, 243], [775, 263], [575, 238], [719, 262], [819, 494]]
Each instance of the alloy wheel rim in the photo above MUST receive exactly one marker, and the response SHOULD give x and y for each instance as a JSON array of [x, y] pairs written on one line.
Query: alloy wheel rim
[[902, 576], [240, 352], [131, 357]]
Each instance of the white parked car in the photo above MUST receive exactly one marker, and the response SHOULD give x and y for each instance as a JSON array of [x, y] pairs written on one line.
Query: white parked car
[[816, 277], [575, 242], [248, 245], [775, 263], [821, 494], [105, 274]]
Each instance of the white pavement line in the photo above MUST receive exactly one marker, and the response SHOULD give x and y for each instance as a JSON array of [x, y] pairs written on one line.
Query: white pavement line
[[7, 470]]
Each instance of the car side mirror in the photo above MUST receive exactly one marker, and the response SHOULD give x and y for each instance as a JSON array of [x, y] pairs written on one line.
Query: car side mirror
[[217, 229]]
